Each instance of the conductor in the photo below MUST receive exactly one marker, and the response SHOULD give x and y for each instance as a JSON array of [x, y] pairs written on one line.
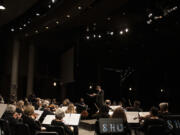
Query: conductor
[[99, 102]]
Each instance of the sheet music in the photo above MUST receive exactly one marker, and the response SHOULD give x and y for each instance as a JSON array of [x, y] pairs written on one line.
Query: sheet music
[[143, 114], [72, 119], [64, 108], [2, 109], [114, 106], [110, 113], [69, 119], [48, 119], [39, 114], [132, 117]]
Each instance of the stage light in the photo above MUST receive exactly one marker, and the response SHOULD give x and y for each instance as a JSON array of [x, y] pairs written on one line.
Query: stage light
[[162, 90], [126, 30], [20, 28], [68, 16], [111, 33], [149, 21], [79, 8], [130, 89], [12, 29], [94, 35], [49, 6], [54, 84], [57, 22], [87, 29], [99, 36], [28, 22], [36, 31], [121, 32], [24, 25], [150, 15], [90, 86], [2, 7], [37, 14], [87, 37], [47, 27]]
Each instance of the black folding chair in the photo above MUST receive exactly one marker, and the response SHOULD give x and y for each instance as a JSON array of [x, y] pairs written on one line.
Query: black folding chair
[[59, 129], [156, 130], [4, 127], [22, 129]]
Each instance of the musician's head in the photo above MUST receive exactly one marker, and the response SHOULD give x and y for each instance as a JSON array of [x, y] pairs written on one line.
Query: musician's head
[[98, 88], [163, 107], [29, 110], [108, 102], [137, 103], [59, 114], [11, 108], [119, 113], [154, 111]]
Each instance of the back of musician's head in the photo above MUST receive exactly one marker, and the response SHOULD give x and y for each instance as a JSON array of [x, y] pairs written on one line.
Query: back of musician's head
[[119, 113], [163, 106], [59, 113], [137, 103], [29, 110], [154, 111], [11, 108], [108, 102]]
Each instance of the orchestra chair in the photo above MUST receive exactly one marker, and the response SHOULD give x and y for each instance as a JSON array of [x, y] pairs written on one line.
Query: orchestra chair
[[46, 133], [155, 130], [59, 129], [22, 129], [4, 127]]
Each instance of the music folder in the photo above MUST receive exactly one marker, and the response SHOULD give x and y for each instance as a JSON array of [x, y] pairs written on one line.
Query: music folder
[[3, 109], [69, 119], [132, 117], [39, 113]]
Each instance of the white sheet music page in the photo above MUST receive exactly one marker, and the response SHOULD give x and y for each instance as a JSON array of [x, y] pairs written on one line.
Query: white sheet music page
[[2, 109], [39, 113], [132, 117], [72, 119], [143, 114], [48, 119]]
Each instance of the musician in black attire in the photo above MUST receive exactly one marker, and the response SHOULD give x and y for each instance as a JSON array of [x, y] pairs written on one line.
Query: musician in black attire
[[99, 97], [58, 121]]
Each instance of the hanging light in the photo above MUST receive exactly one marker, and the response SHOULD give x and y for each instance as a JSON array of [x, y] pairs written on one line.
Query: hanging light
[[2, 7]]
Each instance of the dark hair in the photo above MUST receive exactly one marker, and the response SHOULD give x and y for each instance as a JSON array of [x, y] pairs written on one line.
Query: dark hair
[[154, 111]]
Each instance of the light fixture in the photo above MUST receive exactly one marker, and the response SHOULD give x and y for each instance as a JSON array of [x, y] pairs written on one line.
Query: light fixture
[[126, 30], [54, 84], [68, 16], [24, 25], [99, 36], [57, 22], [20, 28], [49, 6], [111, 33], [94, 35], [121, 32], [37, 14], [12, 29], [2, 7], [53, 1], [36, 31], [87, 37], [79, 7], [47, 27]]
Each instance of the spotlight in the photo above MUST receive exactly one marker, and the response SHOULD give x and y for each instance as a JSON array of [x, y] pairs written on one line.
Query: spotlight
[[47, 27], [57, 22], [37, 14], [121, 32], [49, 6], [87, 37], [111, 33], [12, 29], [53, 1], [68, 16], [126, 30], [99, 36], [20, 28], [2, 7], [94, 35], [54, 84], [24, 25], [79, 8]]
